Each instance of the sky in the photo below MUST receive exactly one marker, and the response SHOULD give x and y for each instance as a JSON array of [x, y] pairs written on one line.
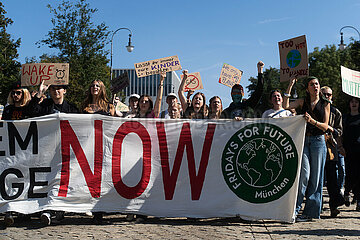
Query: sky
[[203, 34]]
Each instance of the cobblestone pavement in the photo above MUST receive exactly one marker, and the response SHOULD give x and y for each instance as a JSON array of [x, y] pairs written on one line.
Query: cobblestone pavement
[[345, 226]]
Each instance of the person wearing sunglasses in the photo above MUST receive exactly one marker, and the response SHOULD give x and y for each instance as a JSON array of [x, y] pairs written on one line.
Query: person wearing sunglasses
[[332, 138], [55, 104], [18, 101]]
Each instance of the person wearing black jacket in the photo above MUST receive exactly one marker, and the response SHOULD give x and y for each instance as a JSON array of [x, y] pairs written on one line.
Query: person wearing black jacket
[[332, 137], [237, 109], [55, 104], [18, 101]]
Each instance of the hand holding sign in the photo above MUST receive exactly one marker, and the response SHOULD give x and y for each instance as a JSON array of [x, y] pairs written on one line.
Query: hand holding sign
[[192, 81]]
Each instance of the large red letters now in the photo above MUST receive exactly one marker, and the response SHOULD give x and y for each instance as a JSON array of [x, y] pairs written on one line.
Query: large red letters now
[[169, 179], [69, 138], [121, 188]]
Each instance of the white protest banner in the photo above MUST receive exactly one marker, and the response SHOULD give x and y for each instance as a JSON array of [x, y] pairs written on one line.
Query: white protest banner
[[156, 66], [193, 82], [350, 82], [293, 58], [51, 73], [230, 75], [156, 167]]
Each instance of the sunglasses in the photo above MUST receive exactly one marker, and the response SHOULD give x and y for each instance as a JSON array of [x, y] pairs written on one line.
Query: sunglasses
[[16, 92], [327, 94]]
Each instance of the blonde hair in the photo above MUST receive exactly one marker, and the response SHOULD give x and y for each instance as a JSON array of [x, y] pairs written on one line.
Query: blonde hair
[[25, 99]]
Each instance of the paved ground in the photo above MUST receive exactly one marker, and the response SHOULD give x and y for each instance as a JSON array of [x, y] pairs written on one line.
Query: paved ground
[[345, 226]]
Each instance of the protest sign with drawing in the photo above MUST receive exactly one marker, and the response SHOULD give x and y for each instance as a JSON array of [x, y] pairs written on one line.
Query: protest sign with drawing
[[293, 58], [350, 82], [52, 73], [230, 75], [193, 82], [157, 66]]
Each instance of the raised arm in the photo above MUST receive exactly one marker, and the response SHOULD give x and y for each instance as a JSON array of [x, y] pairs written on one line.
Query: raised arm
[[256, 95], [295, 104], [157, 106], [182, 98]]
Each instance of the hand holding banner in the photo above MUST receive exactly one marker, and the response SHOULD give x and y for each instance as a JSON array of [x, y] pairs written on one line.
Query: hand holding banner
[[157, 66], [293, 58]]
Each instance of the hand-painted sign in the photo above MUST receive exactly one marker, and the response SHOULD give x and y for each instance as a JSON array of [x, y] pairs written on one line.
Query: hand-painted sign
[[157, 66], [350, 82], [121, 82], [230, 75], [293, 58], [193, 82], [51, 73]]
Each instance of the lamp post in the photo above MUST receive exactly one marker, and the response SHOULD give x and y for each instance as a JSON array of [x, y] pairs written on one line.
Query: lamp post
[[342, 45], [129, 47]]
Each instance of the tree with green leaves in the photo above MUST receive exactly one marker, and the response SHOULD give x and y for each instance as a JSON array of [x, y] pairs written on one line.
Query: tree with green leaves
[[80, 43], [9, 67]]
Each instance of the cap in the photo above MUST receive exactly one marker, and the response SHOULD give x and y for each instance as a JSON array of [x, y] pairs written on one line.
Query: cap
[[134, 96], [171, 95], [17, 85], [60, 86]]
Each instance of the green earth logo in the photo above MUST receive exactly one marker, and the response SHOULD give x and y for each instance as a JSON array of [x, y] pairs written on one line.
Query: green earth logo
[[293, 58], [259, 163]]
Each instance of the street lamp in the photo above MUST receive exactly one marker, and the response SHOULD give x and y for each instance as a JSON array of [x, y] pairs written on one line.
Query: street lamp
[[129, 47], [342, 45]]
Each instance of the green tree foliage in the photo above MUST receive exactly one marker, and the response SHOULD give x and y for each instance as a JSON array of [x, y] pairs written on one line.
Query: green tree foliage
[[9, 67], [271, 82], [80, 43], [324, 64]]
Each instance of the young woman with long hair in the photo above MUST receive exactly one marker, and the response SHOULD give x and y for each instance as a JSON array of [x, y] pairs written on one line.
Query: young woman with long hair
[[96, 100], [215, 108], [197, 108], [316, 110]]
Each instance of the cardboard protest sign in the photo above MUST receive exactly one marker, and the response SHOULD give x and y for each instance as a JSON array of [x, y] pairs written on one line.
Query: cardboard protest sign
[[350, 82], [230, 75], [52, 73], [193, 82], [293, 58], [156, 66], [119, 83]]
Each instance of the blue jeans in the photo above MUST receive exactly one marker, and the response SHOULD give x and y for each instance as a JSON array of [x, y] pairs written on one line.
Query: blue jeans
[[311, 176], [341, 171]]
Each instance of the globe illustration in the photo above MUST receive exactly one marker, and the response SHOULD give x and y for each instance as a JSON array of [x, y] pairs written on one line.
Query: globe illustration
[[259, 162], [293, 58]]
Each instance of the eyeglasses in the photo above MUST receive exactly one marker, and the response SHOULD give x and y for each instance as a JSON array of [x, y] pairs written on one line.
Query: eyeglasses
[[16, 92], [95, 85], [327, 94]]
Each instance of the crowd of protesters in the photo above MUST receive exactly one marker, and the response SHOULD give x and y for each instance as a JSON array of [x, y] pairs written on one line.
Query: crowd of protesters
[[330, 135]]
